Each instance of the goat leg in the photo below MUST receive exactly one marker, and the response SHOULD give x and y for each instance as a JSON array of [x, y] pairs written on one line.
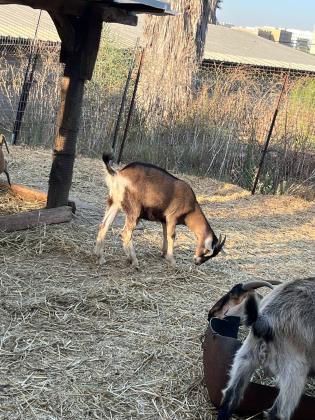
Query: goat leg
[[170, 233], [291, 381], [126, 235], [109, 217], [164, 247], [243, 367], [8, 177]]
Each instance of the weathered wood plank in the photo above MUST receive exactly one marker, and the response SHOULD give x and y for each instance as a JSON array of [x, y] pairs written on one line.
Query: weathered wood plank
[[90, 45], [79, 67], [31, 219], [28, 194]]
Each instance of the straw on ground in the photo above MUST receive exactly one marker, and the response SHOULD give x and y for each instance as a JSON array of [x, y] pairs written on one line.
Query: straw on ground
[[80, 341]]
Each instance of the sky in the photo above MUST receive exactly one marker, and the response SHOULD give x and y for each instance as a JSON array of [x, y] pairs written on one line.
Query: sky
[[298, 14]]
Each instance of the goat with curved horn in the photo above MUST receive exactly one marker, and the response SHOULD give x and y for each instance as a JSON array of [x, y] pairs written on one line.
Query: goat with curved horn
[[251, 285], [232, 303]]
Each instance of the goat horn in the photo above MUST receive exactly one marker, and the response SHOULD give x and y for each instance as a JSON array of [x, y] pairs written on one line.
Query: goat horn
[[275, 282], [218, 246], [223, 242], [218, 243], [255, 285]]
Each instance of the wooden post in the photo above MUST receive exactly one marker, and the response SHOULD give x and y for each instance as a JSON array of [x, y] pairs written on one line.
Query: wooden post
[[65, 141], [80, 37]]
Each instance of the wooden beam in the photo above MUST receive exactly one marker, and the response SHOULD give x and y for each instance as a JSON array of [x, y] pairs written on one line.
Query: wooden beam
[[114, 15], [28, 194], [66, 33], [79, 67], [92, 27], [31, 219]]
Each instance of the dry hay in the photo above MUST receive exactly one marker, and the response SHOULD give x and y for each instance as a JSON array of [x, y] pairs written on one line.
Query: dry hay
[[11, 203], [79, 341]]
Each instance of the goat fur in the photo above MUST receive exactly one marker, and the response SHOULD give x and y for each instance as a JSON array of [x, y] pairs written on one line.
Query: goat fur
[[145, 191], [282, 341]]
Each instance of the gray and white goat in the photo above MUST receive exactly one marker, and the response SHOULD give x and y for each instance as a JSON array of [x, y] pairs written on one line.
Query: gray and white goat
[[144, 191], [281, 340]]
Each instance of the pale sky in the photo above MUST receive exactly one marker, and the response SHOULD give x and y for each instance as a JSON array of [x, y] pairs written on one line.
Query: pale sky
[[299, 14]]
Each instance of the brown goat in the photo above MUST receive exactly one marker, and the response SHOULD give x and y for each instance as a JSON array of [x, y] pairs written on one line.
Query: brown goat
[[3, 162], [145, 191]]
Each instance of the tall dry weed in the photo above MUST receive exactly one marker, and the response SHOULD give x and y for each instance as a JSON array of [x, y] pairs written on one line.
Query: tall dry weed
[[218, 133]]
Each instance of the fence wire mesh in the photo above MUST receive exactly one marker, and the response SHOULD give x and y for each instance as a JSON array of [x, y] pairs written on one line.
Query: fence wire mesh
[[219, 134]]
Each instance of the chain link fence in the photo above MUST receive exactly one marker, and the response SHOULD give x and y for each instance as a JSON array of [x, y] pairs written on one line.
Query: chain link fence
[[220, 134], [39, 107]]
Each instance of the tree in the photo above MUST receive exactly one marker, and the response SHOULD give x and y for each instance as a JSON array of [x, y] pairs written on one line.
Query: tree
[[174, 47]]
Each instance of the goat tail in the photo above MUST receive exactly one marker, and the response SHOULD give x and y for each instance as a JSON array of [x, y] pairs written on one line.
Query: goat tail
[[260, 324], [107, 158]]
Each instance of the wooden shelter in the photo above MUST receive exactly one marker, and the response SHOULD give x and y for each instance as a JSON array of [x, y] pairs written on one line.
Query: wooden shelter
[[79, 25]]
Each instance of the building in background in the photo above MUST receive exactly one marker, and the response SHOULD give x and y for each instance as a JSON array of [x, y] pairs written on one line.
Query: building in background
[[276, 34], [301, 40]]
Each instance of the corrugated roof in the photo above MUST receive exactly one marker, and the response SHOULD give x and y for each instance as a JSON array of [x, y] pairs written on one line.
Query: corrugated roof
[[233, 46], [20, 22], [222, 44]]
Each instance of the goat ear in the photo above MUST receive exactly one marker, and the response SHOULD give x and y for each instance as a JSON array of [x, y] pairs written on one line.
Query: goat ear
[[209, 252], [237, 310]]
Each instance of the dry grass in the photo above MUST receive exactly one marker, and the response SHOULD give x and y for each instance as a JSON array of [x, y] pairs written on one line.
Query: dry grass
[[11, 203], [79, 341], [219, 124]]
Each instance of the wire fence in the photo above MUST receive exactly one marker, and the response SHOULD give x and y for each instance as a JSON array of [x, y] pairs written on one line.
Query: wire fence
[[101, 101], [220, 134]]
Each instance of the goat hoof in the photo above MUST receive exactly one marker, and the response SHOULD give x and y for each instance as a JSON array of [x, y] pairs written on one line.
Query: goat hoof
[[97, 250], [135, 265], [170, 261], [101, 260]]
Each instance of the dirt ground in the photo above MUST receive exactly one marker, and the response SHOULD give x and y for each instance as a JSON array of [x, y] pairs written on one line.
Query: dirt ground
[[80, 341]]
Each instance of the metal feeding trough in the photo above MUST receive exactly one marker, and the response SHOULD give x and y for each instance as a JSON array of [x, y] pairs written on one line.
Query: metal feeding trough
[[219, 347]]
